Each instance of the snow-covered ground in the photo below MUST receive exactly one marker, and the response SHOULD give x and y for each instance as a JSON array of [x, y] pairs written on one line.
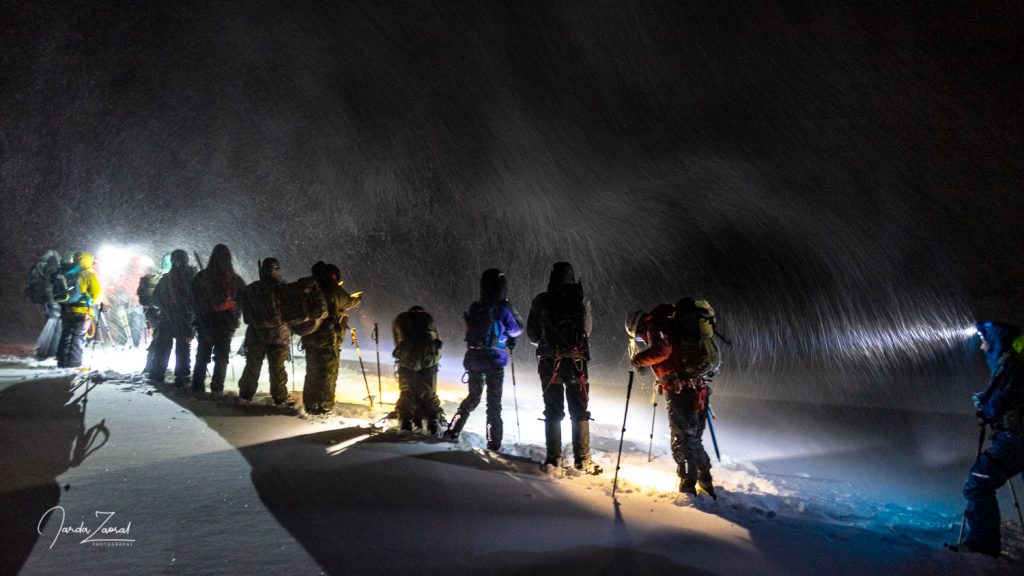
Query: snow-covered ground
[[149, 480]]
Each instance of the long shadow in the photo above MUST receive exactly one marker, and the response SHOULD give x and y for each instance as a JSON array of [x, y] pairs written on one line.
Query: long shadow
[[363, 502], [42, 423]]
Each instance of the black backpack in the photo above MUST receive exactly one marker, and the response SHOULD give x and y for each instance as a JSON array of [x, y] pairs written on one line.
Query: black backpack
[[147, 285], [481, 326], [303, 305], [694, 325], [41, 278], [563, 321], [66, 288]]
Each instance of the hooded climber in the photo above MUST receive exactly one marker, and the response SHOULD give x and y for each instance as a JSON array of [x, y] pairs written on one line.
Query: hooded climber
[[417, 354], [686, 392], [559, 324], [77, 308], [172, 302], [492, 325], [1000, 406], [214, 297], [266, 334], [323, 345]]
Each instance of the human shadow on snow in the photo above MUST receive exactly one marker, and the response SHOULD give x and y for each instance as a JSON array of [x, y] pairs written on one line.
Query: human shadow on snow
[[42, 423]]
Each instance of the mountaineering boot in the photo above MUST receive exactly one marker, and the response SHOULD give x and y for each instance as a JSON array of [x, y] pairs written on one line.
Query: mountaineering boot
[[455, 427], [704, 485], [688, 486], [581, 448], [553, 438], [432, 427], [494, 434], [405, 424], [687, 479]]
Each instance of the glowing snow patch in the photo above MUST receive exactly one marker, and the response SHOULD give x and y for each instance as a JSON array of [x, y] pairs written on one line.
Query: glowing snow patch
[[342, 446], [651, 477]]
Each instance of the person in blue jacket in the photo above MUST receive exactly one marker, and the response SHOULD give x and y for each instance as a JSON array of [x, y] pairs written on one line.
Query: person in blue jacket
[[1001, 406], [492, 325]]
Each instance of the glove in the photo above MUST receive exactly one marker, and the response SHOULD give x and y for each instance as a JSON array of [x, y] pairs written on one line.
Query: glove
[[977, 398], [510, 343]]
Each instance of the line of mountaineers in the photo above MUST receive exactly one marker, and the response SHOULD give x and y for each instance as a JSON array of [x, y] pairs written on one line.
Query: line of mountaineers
[[182, 302]]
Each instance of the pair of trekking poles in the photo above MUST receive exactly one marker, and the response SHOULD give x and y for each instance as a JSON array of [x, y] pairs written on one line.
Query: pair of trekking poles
[[622, 436]]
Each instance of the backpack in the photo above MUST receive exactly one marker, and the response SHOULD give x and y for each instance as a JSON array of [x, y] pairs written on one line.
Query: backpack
[[147, 285], [694, 324], [40, 278], [563, 321], [482, 330], [418, 348], [303, 305], [261, 306], [66, 287]]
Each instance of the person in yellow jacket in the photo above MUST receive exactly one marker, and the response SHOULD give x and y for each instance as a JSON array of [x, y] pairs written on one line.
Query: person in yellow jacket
[[77, 307]]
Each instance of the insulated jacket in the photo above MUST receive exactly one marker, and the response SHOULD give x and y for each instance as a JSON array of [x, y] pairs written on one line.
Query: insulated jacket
[[656, 328], [89, 286], [215, 300], [491, 351], [256, 301], [1003, 401]]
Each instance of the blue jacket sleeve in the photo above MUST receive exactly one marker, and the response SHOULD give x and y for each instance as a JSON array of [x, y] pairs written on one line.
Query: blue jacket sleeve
[[997, 399], [511, 321]]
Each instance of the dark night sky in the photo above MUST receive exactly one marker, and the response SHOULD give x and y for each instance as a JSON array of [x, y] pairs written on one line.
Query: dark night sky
[[814, 168]]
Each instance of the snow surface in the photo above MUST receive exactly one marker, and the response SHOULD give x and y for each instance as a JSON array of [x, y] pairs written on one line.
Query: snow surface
[[224, 486]]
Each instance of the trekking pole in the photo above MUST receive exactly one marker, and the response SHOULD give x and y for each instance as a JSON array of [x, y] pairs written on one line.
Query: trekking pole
[[515, 399], [376, 341], [622, 436], [654, 416], [362, 368], [291, 357], [1016, 503], [963, 520], [711, 428]]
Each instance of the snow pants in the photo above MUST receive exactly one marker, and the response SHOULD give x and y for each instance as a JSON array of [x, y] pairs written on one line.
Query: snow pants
[[493, 380], [1003, 460], [72, 339], [417, 397], [687, 426], [321, 376], [561, 381], [164, 338], [213, 341], [48, 342], [255, 352]]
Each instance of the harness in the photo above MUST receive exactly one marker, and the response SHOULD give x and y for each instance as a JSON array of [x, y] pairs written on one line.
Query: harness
[[674, 383], [579, 364]]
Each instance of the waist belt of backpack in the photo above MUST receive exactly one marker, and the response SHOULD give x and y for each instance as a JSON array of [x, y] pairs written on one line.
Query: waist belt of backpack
[[677, 383], [576, 353], [481, 347]]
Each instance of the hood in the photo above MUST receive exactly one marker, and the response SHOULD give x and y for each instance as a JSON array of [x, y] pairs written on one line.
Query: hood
[[561, 273], [999, 338], [493, 287], [270, 270], [178, 259], [84, 259]]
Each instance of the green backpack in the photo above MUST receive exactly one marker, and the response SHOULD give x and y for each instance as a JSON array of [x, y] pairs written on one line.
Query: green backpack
[[694, 323]]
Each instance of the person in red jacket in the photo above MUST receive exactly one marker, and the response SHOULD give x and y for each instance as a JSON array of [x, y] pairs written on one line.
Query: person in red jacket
[[686, 396]]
